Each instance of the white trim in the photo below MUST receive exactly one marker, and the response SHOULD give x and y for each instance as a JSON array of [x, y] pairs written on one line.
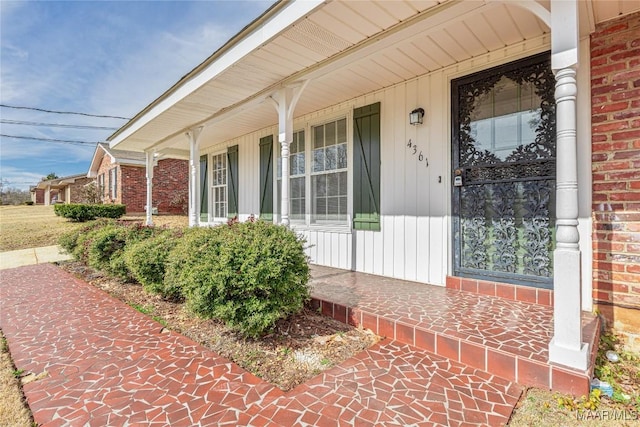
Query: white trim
[[210, 189]]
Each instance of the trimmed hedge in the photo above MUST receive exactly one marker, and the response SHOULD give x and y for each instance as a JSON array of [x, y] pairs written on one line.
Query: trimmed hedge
[[146, 261], [86, 212], [248, 275]]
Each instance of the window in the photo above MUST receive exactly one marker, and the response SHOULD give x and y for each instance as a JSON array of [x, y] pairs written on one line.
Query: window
[[101, 188], [113, 182], [329, 172], [297, 184], [505, 118], [219, 185]]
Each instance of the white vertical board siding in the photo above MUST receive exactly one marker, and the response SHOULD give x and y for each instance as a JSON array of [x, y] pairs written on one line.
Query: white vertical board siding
[[414, 241], [440, 170]]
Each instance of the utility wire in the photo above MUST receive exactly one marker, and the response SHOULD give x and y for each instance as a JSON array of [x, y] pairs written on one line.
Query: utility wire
[[64, 141], [62, 112], [54, 125]]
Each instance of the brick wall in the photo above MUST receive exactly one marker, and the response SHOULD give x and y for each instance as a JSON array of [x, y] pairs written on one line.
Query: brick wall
[[37, 196], [615, 103], [170, 187], [133, 188], [104, 169], [77, 190]]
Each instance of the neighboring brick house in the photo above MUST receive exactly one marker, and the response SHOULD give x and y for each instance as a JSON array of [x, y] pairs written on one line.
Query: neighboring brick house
[[121, 178], [615, 102], [37, 195], [68, 189]]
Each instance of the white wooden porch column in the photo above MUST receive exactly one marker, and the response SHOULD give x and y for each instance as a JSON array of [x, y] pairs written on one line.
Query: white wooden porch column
[[285, 101], [149, 173], [194, 176], [566, 346], [47, 195]]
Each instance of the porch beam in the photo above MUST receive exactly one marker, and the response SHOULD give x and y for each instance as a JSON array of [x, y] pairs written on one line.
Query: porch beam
[[566, 346], [194, 176], [149, 174], [285, 100]]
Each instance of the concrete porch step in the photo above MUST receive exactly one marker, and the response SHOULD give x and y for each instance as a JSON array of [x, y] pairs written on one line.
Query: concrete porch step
[[506, 337]]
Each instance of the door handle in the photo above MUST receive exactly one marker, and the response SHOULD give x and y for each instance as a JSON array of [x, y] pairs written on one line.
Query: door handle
[[457, 178]]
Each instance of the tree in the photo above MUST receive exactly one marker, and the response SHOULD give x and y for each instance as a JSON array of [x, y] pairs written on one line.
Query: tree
[[52, 175]]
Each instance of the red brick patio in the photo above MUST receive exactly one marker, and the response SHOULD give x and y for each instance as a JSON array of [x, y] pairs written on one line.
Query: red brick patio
[[506, 336], [111, 365]]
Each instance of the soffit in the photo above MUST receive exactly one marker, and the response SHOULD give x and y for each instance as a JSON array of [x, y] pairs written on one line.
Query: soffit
[[349, 49]]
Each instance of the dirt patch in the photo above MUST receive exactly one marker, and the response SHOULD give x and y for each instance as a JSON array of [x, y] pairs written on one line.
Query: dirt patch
[[298, 349], [13, 408]]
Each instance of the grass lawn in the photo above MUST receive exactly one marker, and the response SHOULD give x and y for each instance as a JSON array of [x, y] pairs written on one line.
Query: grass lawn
[[23, 227]]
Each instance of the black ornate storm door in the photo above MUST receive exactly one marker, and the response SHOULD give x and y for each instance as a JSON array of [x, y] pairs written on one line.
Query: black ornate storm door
[[504, 149]]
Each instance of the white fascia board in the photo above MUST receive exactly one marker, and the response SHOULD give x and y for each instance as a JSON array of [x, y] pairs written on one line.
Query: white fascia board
[[129, 162], [258, 37]]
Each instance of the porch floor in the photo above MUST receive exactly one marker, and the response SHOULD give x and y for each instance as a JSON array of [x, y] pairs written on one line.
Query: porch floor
[[506, 338]]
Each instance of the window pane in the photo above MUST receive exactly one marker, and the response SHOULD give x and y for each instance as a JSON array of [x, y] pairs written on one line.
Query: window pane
[[343, 207], [342, 156], [342, 131], [342, 183], [333, 184], [318, 136], [318, 160], [331, 158], [319, 183], [330, 134]]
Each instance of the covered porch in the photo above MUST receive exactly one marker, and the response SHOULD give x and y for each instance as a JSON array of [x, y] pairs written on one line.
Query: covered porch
[[313, 68]]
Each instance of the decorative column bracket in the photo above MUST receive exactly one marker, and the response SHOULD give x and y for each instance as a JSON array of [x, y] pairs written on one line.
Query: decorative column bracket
[[194, 176], [284, 101]]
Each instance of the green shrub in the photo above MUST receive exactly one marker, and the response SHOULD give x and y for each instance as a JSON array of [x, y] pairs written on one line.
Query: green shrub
[[85, 212], [185, 264], [106, 249], [70, 240], [29, 203], [249, 274], [146, 261]]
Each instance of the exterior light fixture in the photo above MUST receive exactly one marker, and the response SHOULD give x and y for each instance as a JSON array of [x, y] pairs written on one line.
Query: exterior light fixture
[[415, 117]]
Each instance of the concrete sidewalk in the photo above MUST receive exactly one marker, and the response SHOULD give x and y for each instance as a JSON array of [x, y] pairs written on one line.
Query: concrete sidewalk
[[32, 256]]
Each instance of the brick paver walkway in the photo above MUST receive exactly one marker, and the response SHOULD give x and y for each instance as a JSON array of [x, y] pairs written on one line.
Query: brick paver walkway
[[111, 365]]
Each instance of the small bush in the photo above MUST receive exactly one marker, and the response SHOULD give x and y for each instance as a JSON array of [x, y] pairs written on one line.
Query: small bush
[[29, 203], [249, 274], [106, 249], [70, 240], [83, 212], [185, 265], [146, 261]]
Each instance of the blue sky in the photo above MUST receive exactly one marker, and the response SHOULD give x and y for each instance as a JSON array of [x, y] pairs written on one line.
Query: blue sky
[[98, 57]]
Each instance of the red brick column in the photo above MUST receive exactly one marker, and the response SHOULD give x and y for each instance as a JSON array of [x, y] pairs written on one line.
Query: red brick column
[[615, 103]]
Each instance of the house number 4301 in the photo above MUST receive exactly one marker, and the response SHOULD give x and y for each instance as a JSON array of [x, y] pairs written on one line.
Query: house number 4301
[[416, 151]]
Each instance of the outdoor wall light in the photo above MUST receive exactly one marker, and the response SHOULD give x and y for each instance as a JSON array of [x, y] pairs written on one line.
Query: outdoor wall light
[[415, 117]]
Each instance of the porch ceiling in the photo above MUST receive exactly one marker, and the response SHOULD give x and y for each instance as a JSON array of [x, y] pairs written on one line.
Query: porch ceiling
[[346, 49]]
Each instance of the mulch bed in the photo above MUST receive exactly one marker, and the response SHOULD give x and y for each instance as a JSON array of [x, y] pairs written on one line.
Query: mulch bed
[[298, 348]]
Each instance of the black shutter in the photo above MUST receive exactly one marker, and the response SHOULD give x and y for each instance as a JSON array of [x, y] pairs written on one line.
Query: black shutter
[[204, 188], [266, 178], [232, 180], [366, 167]]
